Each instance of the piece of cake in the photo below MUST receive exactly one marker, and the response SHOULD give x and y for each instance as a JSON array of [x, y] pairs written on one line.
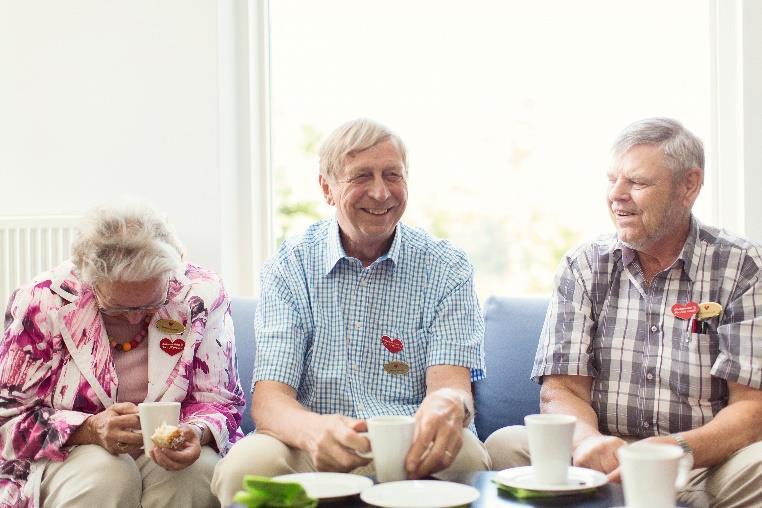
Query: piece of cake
[[167, 436]]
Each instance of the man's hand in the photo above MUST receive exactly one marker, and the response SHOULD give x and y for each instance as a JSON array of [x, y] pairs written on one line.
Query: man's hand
[[185, 455], [599, 453], [438, 433], [335, 440], [116, 429]]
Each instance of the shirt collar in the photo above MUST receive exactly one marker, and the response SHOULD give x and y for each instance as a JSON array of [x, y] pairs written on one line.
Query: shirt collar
[[688, 254], [336, 252]]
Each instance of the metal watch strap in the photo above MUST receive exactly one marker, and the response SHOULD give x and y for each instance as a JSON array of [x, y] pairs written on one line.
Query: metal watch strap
[[466, 411], [682, 443], [200, 427]]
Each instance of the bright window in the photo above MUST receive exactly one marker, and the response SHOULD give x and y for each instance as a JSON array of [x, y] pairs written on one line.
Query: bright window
[[507, 108]]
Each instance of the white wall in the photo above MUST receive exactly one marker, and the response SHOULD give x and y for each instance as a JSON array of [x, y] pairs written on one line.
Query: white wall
[[103, 98]]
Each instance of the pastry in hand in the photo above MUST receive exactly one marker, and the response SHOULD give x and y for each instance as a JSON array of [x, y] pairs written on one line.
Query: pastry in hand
[[167, 436]]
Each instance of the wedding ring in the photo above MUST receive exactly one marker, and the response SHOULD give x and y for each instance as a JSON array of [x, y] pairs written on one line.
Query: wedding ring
[[121, 446]]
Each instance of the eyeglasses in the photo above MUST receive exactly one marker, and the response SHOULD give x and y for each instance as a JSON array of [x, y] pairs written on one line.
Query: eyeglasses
[[120, 311]]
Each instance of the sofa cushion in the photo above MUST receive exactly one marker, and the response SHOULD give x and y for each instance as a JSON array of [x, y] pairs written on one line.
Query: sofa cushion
[[506, 395], [243, 310]]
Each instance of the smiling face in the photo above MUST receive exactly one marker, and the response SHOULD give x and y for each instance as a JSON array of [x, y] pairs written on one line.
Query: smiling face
[[648, 205], [370, 196]]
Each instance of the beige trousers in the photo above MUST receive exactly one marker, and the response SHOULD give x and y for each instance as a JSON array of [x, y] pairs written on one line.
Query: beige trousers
[[263, 455], [91, 476], [737, 482]]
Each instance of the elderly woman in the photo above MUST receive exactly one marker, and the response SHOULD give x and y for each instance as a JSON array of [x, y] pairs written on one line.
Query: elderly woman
[[126, 321]]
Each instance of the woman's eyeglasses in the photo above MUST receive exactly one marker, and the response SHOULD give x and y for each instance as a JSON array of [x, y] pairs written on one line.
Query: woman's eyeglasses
[[120, 311]]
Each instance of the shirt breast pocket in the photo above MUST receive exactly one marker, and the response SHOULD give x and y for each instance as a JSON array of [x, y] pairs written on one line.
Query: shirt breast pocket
[[692, 362], [402, 373]]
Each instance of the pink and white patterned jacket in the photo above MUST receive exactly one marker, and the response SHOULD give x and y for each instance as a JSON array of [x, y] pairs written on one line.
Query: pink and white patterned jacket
[[56, 370]]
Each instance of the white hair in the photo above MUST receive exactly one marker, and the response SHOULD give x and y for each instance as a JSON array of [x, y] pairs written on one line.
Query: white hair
[[125, 242], [681, 148], [351, 138]]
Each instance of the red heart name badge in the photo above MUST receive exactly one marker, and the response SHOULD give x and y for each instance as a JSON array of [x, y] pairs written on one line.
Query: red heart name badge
[[172, 347], [685, 310], [393, 345]]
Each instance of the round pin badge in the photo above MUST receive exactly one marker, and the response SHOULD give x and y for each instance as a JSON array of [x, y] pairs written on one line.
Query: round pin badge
[[170, 326]]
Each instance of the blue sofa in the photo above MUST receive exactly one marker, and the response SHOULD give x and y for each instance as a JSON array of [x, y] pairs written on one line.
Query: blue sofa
[[512, 327]]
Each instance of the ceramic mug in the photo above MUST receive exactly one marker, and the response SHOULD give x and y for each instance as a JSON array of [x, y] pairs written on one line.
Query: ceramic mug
[[652, 473], [550, 446], [152, 415], [390, 439]]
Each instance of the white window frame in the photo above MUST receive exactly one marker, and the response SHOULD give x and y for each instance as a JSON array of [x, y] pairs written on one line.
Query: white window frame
[[736, 75], [736, 121]]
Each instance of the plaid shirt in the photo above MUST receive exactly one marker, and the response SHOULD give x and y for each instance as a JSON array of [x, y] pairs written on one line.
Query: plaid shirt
[[322, 316], [652, 374]]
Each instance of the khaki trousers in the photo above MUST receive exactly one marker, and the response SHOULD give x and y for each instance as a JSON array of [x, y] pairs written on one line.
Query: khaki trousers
[[263, 455], [737, 482], [91, 476]]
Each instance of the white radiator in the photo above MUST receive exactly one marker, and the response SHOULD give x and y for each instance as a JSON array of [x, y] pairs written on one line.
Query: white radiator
[[30, 245]]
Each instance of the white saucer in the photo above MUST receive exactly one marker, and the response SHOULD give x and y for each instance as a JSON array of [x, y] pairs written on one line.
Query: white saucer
[[419, 493], [580, 478], [328, 485]]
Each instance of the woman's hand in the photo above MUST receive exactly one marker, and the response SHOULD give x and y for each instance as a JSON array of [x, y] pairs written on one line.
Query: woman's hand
[[182, 457], [116, 429]]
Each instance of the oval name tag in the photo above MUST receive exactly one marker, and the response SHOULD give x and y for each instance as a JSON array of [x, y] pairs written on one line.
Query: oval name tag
[[708, 310], [396, 367], [170, 326]]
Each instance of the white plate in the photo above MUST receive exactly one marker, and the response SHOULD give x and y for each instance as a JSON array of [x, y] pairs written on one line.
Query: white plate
[[580, 478], [419, 493], [328, 485]]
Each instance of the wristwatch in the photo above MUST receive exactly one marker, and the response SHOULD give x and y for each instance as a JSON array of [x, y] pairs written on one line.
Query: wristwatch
[[682, 443], [467, 412], [200, 427]]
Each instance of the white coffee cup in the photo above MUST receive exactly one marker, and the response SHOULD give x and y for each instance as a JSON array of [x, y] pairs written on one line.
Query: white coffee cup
[[390, 439], [152, 415], [652, 473], [550, 446]]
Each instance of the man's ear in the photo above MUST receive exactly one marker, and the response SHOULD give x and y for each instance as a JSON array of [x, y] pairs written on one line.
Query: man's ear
[[692, 182], [326, 188]]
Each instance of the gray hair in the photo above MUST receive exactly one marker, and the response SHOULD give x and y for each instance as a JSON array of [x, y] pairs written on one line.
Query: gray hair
[[351, 138], [125, 242], [681, 148]]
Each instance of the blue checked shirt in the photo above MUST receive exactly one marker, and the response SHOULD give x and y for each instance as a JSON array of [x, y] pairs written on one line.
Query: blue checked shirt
[[652, 374], [322, 315]]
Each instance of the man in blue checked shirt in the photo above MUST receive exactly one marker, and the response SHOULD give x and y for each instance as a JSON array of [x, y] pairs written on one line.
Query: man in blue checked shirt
[[655, 333], [362, 316]]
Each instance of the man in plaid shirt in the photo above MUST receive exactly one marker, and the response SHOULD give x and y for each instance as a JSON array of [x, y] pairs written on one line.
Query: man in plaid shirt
[[654, 333], [362, 316]]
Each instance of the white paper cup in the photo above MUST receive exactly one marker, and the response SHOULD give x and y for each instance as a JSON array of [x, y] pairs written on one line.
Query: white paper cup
[[152, 415], [390, 439], [550, 446], [652, 473]]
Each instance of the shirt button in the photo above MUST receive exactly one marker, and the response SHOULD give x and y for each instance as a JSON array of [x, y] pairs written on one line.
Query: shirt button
[[649, 376], [360, 406], [354, 366], [363, 282], [654, 328], [357, 325], [646, 424]]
